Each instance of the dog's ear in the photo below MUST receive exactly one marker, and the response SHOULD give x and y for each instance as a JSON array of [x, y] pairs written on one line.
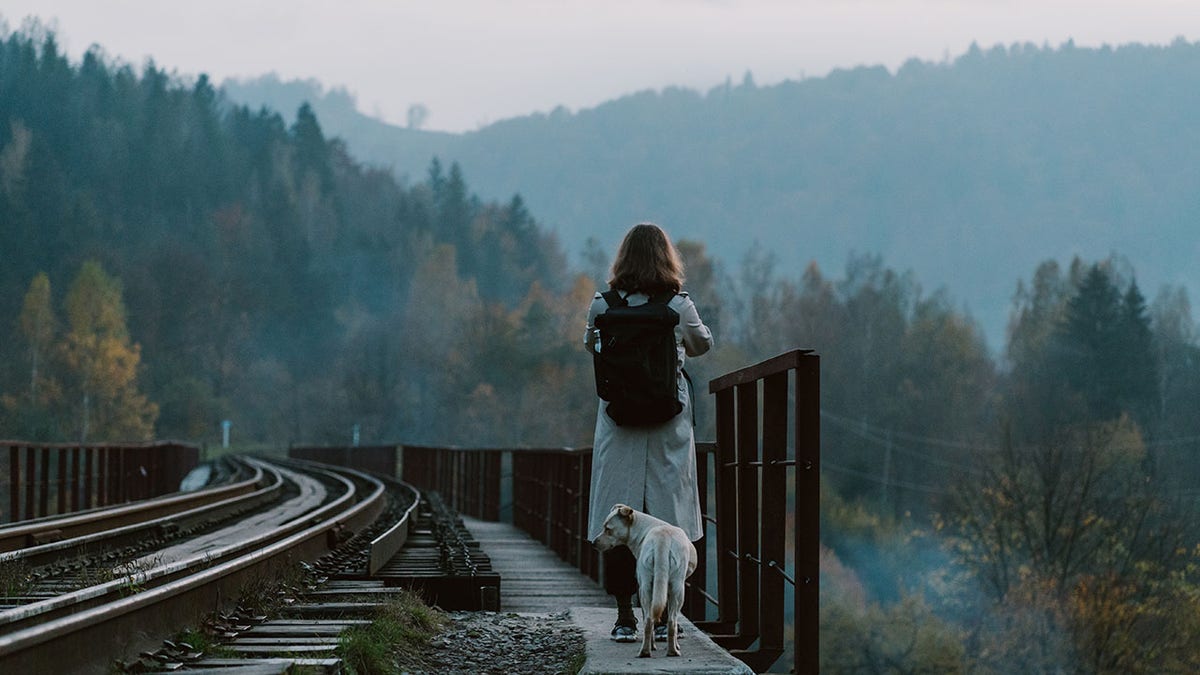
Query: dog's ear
[[625, 512]]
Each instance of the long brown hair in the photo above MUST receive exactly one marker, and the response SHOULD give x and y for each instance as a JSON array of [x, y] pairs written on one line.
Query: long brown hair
[[647, 262]]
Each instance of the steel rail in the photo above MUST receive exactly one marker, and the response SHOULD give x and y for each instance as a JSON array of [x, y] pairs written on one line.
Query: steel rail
[[114, 622], [385, 546], [30, 533], [135, 581], [267, 487]]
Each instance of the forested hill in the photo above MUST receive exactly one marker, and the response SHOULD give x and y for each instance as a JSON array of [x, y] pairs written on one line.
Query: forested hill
[[967, 172], [168, 261]]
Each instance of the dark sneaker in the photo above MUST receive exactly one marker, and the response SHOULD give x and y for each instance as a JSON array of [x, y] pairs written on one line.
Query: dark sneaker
[[660, 633], [623, 632]]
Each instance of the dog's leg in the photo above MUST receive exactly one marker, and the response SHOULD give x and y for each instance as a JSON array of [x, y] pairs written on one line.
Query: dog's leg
[[673, 635], [674, 605], [647, 618], [647, 638]]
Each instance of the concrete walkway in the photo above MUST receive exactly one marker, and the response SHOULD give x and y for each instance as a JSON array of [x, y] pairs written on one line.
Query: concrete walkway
[[534, 580]]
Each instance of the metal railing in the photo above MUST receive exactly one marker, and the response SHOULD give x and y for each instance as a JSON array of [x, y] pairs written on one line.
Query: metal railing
[[755, 455], [380, 459], [43, 479], [766, 456], [467, 479]]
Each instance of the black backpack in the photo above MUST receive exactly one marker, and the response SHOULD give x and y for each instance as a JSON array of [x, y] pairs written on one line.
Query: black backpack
[[635, 360]]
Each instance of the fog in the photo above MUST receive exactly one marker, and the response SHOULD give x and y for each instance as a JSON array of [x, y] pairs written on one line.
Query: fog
[[472, 62]]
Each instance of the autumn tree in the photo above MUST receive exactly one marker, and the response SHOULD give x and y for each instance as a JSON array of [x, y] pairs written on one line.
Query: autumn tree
[[898, 368], [1071, 530], [1065, 521], [38, 326], [1177, 351], [102, 362], [33, 413]]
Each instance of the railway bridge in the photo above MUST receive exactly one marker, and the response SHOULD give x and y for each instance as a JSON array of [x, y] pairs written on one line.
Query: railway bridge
[[101, 557]]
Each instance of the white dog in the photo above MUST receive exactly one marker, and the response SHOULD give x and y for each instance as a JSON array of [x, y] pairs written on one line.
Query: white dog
[[665, 558]]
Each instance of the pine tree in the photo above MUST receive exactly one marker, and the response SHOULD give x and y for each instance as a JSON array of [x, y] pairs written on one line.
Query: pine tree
[[1134, 347], [312, 151], [1104, 348]]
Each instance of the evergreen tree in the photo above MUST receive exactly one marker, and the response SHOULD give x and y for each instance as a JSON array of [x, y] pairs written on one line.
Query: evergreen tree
[[454, 219], [1104, 350], [1136, 365], [312, 151]]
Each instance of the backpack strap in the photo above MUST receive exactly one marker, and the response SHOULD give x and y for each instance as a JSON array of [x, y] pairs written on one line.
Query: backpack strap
[[662, 298], [614, 299], [691, 394]]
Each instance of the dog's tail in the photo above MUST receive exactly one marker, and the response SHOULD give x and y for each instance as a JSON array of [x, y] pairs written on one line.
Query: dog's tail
[[662, 575]]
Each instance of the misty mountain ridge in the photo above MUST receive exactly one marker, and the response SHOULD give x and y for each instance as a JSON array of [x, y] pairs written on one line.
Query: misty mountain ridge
[[968, 172]]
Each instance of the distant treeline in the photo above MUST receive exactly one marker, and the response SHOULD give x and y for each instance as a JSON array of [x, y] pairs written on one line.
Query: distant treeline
[[967, 171], [266, 276]]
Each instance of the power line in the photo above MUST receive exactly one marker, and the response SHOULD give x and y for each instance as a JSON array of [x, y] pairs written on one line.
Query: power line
[[879, 435], [825, 464], [960, 445], [856, 429]]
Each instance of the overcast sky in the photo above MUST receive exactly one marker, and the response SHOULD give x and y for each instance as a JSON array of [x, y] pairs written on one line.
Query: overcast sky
[[471, 62]]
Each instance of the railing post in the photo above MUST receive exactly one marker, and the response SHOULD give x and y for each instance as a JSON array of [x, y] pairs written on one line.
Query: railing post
[[77, 479], [89, 466], [61, 483], [44, 483], [727, 520], [591, 557], [14, 483], [774, 515], [748, 516], [752, 511], [494, 467], [807, 514], [695, 607]]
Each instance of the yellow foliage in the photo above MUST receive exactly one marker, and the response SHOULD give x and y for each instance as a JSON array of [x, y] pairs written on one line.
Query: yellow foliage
[[103, 362]]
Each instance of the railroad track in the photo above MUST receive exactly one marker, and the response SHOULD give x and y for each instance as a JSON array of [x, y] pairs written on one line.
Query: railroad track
[[242, 479], [316, 508]]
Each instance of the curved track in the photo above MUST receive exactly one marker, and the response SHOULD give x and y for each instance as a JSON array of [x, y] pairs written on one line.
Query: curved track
[[65, 633], [30, 533]]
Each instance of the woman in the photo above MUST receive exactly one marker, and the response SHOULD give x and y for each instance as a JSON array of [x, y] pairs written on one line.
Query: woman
[[651, 468]]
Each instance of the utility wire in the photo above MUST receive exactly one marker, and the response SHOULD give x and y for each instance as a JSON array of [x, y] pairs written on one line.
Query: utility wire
[[880, 439], [837, 468]]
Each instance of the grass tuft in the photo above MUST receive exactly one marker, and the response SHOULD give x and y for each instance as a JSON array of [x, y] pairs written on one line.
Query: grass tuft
[[15, 578], [394, 641], [578, 658], [203, 642]]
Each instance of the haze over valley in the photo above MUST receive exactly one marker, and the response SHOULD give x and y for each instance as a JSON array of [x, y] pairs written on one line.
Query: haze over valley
[[968, 172]]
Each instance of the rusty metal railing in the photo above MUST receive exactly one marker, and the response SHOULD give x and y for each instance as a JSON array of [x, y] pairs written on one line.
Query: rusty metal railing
[[550, 502], [43, 479], [760, 466], [380, 459], [467, 479], [766, 457]]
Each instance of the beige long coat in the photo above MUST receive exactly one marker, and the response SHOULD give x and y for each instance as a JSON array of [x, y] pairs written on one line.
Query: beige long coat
[[652, 469]]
